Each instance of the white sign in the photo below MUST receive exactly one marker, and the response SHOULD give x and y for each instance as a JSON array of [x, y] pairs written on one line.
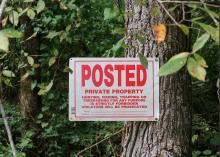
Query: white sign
[[113, 89]]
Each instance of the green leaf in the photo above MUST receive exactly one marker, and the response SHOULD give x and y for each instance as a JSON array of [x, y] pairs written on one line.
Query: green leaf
[[40, 6], [141, 38], [52, 34], [119, 31], [44, 125], [185, 29], [210, 12], [207, 152], [200, 42], [8, 73], [213, 31], [31, 14], [197, 18], [195, 70], [52, 61], [118, 45], [200, 60], [33, 84], [45, 89], [14, 18], [155, 11], [110, 13], [7, 82], [30, 60], [194, 138], [192, 5], [11, 33], [28, 1], [40, 116], [196, 153], [4, 42], [174, 64], [143, 60], [215, 139]]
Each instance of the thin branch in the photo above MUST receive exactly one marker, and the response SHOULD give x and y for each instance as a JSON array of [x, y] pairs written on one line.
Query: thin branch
[[8, 130], [191, 2], [168, 13], [2, 6], [213, 18], [94, 145]]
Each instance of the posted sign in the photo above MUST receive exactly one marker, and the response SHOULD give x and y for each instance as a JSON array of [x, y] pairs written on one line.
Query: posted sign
[[113, 89]]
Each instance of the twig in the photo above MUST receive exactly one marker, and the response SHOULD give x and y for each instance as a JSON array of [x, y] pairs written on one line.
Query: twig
[[190, 2], [6, 118], [2, 6], [167, 12], [93, 145], [8, 130], [213, 18]]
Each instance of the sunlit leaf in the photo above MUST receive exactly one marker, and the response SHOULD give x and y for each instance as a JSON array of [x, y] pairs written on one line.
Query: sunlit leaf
[[4, 42], [8, 73], [200, 60], [174, 64], [63, 6], [195, 70], [213, 31], [45, 89], [52, 61], [118, 45], [119, 31], [192, 5], [110, 13], [27, 1], [30, 60], [194, 138], [185, 29], [52, 34], [200, 42], [12, 33], [31, 14], [14, 18], [33, 84], [207, 152], [143, 60], [40, 6]]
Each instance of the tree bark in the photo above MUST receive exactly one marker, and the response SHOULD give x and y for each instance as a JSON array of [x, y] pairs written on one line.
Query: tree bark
[[171, 135], [29, 99]]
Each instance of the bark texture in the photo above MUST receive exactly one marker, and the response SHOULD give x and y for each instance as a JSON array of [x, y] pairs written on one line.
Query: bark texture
[[171, 135], [29, 99]]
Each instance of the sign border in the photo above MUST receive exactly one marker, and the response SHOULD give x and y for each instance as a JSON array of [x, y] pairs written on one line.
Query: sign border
[[72, 101]]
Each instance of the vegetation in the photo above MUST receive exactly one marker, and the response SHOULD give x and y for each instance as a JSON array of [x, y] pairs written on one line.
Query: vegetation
[[37, 38]]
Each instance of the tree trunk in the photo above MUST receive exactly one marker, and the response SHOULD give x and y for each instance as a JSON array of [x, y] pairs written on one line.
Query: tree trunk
[[171, 135], [29, 99]]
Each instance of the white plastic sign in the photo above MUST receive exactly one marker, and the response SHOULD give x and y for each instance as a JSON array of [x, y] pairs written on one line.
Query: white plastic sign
[[113, 89]]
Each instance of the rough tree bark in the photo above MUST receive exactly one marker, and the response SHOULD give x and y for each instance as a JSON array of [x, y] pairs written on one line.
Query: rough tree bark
[[30, 101], [171, 135]]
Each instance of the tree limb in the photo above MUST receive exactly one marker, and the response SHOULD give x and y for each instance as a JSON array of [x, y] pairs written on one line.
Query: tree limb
[[2, 6], [191, 2], [8, 130]]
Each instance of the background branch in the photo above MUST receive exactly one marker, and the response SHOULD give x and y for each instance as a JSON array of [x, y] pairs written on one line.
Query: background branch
[[8, 129], [2, 6], [191, 2]]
